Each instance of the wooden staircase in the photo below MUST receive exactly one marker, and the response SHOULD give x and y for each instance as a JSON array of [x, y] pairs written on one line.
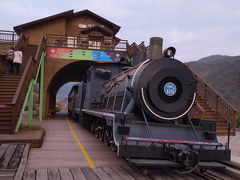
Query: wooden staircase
[[210, 114], [9, 84]]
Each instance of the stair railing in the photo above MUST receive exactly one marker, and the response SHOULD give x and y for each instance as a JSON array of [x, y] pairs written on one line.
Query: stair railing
[[2, 65], [226, 111], [29, 72], [8, 36], [19, 43]]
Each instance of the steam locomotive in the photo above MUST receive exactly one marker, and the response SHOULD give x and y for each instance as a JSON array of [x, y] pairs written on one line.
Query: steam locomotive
[[142, 112]]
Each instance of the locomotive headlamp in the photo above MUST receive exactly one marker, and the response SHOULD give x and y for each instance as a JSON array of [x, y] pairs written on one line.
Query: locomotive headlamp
[[169, 52]]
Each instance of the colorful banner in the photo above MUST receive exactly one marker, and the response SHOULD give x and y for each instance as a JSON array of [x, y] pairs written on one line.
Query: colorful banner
[[80, 54]]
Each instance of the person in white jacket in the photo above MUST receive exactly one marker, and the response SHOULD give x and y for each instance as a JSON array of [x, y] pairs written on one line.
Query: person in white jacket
[[17, 61]]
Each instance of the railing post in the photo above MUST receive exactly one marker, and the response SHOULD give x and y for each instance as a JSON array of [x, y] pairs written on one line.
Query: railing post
[[13, 37], [30, 103], [228, 139], [41, 91], [23, 108], [217, 103]]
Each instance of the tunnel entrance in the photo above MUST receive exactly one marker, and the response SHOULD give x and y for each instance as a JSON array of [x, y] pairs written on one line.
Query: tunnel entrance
[[73, 72]]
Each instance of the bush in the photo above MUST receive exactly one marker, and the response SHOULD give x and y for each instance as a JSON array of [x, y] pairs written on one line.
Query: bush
[[32, 128]]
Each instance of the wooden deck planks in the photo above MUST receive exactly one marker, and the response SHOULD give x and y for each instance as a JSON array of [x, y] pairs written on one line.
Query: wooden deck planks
[[23, 163], [16, 158], [101, 174], [42, 174], [60, 150], [7, 174], [89, 174], [53, 174], [111, 173], [77, 174], [123, 174], [104, 173], [7, 156], [65, 173], [13, 158], [29, 175], [134, 173], [3, 149]]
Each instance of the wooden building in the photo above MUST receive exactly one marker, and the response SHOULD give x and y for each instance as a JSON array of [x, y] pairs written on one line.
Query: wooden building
[[79, 32], [83, 24]]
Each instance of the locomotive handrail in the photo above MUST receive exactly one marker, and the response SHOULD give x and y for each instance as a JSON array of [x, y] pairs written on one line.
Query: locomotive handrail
[[225, 110]]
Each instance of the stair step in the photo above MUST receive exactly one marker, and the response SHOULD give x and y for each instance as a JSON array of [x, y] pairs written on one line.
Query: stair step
[[2, 90], [6, 131], [9, 81], [10, 86], [6, 114], [7, 93], [13, 76]]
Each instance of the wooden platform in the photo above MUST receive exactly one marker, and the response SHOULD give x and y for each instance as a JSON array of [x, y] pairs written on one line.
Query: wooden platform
[[61, 150], [34, 138], [104, 173], [13, 160]]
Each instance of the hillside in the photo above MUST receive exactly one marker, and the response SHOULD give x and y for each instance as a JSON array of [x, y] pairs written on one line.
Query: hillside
[[62, 95], [223, 74]]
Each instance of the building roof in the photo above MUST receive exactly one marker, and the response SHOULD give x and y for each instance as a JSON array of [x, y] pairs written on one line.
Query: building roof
[[96, 28], [67, 14]]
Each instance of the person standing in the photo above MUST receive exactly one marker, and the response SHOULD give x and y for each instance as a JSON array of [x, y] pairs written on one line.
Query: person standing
[[9, 58], [17, 61]]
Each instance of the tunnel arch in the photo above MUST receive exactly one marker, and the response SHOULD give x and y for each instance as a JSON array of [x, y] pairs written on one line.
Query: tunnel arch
[[72, 72]]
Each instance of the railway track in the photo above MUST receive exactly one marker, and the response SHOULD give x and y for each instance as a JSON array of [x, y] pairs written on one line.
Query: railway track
[[217, 174]]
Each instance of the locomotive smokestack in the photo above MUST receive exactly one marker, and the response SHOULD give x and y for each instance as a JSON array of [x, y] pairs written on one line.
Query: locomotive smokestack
[[155, 49]]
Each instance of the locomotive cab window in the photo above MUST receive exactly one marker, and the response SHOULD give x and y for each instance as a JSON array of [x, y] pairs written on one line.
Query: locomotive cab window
[[102, 74]]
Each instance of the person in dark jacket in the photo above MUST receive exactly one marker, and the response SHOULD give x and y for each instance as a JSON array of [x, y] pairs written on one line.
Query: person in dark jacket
[[9, 58]]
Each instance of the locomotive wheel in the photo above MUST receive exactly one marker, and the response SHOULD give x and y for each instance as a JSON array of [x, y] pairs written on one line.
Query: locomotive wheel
[[96, 133], [113, 147], [99, 130], [106, 138], [92, 130], [101, 134]]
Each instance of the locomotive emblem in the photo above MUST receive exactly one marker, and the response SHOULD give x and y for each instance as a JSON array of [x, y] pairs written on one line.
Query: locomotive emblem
[[170, 89]]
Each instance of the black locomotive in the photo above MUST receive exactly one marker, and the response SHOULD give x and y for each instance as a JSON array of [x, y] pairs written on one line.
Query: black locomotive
[[142, 113]]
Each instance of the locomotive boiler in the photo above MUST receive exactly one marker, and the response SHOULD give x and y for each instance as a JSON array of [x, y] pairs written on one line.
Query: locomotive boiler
[[142, 112]]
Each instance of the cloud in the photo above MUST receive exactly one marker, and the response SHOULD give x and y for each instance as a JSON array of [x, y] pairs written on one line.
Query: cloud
[[195, 28]]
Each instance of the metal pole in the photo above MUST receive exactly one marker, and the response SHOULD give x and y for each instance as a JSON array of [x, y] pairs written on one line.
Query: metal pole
[[22, 110], [228, 140], [30, 103], [145, 118], [41, 92]]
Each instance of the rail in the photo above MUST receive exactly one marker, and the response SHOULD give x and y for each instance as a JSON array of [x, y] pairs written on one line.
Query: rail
[[8, 37], [28, 74], [2, 64], [226, 111], [21, 42], [86, 42]]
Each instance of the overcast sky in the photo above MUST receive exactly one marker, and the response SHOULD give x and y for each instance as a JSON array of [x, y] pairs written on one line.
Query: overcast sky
[[197, 28]]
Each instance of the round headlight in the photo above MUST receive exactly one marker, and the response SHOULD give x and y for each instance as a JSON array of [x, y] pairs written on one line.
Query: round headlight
[[169, 52]]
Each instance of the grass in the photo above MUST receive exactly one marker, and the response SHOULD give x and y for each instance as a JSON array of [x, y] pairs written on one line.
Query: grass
[[32, 128]]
